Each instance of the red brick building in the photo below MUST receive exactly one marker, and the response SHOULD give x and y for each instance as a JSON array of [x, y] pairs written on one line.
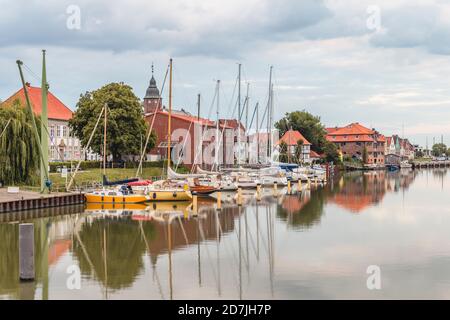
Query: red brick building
[[188, 133], [354, 138]]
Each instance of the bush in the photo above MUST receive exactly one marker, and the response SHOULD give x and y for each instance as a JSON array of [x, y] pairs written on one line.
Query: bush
[[86, 165]]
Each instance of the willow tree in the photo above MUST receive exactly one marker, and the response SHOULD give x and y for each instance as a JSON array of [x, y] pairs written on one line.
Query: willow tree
[[19, 150]]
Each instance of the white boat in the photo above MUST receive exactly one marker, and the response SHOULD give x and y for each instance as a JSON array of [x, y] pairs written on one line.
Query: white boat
[[405, 165]]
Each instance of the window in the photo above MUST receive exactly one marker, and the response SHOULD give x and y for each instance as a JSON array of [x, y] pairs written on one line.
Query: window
[[52, 131], [64, 131]]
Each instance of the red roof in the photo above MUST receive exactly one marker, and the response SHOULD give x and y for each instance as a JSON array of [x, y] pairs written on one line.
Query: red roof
[[193, 119], [292, 136], [56, 109], [313, 154], [354, 132]]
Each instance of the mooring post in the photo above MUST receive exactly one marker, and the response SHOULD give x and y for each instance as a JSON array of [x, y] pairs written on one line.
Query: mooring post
[[26, 251], [219, 200], [258, 192], [289, 186], [299, 184], [194, 203], [239, 199]]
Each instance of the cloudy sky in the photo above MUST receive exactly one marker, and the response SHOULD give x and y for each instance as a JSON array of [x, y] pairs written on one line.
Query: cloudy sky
[[385, 64]]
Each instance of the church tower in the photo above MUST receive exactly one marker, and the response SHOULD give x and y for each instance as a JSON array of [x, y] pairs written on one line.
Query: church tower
[[152, 99]]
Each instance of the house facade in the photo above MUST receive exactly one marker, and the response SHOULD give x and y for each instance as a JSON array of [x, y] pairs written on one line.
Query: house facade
[[63, 146], [399, 149], [291, 138], [355, 139]]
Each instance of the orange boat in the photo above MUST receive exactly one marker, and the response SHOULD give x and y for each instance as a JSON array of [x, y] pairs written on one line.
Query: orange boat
[[202, 190]]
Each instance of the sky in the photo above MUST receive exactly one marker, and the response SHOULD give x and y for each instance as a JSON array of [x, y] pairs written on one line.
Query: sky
[[384, 64]]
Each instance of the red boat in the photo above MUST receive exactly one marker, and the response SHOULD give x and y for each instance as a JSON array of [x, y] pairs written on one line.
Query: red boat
[[203, 190]]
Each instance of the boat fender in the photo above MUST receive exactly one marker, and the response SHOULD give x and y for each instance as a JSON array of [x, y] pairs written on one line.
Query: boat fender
[[154, 195], [174, 194]]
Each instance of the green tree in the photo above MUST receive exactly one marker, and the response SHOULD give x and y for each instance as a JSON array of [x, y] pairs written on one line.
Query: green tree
[[439, 149], [283, 151], [365, 155], [309, 126], [19, 150], [125, 122], [331, 152], [298, 152], [312, 129]]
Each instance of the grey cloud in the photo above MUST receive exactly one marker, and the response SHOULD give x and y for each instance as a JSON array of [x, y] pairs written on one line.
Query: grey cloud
[[144, 25], [413, 26]]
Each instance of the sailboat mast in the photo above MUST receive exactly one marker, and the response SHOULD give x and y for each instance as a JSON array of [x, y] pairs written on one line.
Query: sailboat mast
[[169, 130], [216, 162], [239, 117], [44, 125], [269, 116], [247, 101], [257, 132], [104, 140]]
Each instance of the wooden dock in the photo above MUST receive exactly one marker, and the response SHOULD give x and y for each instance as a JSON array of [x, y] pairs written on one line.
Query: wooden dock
[[430, 164], [28, 200]]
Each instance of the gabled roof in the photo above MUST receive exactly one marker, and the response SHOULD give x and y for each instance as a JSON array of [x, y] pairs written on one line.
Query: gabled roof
[[190, 118], [292, 136], [353, 129], [56, 109]]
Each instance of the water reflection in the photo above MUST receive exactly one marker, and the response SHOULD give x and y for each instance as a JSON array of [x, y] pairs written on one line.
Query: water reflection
[[168, 251]]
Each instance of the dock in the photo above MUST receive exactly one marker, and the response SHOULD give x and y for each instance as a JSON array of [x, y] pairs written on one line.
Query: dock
[[430, 164], [30, 200]]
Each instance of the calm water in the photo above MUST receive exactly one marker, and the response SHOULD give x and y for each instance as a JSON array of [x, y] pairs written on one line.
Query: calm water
[[317, 244]]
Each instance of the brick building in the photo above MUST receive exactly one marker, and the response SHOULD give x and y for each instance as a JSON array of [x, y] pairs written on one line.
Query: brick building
[[188, 133], [354, 138]]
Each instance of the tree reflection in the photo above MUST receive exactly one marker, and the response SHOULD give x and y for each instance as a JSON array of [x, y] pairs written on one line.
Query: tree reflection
[[123, 254]]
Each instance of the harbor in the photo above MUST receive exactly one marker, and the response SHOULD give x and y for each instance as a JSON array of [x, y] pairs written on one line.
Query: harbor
[[309, 245]]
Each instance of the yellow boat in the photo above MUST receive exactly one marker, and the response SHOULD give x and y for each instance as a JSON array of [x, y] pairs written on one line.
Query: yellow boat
[[169, 195], [111, 196]]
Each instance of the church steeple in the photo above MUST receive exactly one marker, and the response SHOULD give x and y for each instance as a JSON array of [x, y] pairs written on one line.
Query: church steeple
[[152, 99]]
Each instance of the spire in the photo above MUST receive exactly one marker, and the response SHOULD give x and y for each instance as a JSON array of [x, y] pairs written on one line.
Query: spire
[[152, 90]]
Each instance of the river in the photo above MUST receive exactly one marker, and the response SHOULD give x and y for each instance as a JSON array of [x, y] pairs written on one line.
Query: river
[[321, 243]]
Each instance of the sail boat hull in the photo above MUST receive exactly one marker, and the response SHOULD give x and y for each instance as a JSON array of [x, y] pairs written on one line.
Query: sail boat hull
[[169, 195], [117, 199]]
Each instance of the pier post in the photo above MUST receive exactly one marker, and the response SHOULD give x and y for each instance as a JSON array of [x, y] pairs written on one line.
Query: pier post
[[258, 192], [309, 183], [239, 199], [289, 186], [26, 251], [194, 203], [299, 185], [219, 200]]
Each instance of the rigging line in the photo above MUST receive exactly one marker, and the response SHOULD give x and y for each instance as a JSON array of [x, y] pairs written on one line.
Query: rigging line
[[200, 145], [253, 117], [32, 73]]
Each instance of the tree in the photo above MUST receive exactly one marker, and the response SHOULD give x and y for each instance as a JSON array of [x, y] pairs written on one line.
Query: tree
[[331, 152], [365, 155], [313, 131], [439, 149], [125, 123], [283, 151], [298, 152], [19, 149], [309, 126]]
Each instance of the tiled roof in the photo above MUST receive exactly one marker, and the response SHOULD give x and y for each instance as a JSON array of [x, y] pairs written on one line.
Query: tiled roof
[[313, 154], [354, 132], [56, 109], [292, 136], [193, 119]]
